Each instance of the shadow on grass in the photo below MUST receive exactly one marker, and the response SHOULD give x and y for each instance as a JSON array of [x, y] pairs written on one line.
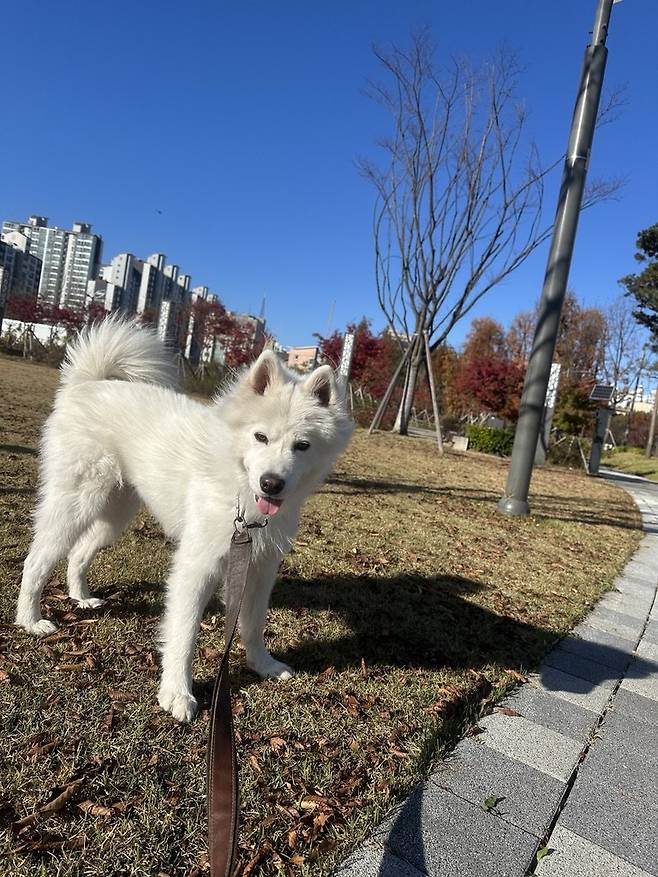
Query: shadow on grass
[[421, 622], [17, 491], [19, 449], [596, 512], [413, 622]]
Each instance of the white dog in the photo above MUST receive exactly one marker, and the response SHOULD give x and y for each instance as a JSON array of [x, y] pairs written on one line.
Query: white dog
[[120, 434]]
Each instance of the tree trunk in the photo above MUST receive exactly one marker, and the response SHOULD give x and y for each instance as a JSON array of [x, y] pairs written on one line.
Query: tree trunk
[[401, 425]]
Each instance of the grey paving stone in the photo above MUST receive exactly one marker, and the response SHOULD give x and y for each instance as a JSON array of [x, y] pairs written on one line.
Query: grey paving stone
[[647, 686], [637, 591], [617, 623], [593, 671], [573, 856], [575, 690], [596, 649], [552, 712], [635, 705], [640, 568], [651, 633], [648, 550], [624, 757], [642, 674], [635, 606], [630, 633], [372, 860], [641, 571], [539, 747], [619, 823], [444, 836], [648, 651], [475, 772], [617, 648]]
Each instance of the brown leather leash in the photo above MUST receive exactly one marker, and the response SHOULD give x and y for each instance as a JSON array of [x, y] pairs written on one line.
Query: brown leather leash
[[223, 789]]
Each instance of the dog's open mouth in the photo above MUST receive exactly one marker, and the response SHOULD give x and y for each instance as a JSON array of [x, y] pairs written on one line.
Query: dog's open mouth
[[267, 505]]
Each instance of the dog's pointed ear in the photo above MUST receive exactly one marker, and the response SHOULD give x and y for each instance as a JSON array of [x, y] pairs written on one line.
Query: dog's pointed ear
[[264, 371], [322, 384]]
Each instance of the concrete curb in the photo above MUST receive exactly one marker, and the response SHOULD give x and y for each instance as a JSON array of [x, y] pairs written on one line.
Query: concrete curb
[[571, 757]]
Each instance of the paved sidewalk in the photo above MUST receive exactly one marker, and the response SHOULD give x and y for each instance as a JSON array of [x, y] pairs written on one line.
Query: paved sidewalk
[[571, 757]]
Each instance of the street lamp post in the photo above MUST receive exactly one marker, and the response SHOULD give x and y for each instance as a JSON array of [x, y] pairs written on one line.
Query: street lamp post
[[515, 500]]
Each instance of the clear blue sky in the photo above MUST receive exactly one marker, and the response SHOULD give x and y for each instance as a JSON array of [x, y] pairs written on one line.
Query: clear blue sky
[[225, 134]]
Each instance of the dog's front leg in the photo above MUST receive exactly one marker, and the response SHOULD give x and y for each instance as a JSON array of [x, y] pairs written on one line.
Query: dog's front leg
[[253, 616], [189, 587]]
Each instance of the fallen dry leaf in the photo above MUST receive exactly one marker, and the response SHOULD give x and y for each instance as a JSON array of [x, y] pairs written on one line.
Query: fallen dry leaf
[[507, 711], [95, 809]]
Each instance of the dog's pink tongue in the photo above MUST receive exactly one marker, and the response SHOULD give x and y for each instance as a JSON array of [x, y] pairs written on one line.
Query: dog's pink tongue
[[268, 506]]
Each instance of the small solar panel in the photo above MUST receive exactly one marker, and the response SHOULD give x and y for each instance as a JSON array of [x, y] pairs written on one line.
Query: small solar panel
[[602, 393]]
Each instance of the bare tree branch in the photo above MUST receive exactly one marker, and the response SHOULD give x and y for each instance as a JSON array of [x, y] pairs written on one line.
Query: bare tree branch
[[460, 192]]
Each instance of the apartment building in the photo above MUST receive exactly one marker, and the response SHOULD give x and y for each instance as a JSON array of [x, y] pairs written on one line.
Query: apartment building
[[69, 259], [21, 269], [117, 287], [7, 263], [174, 311], [4, 289], [61, 267]]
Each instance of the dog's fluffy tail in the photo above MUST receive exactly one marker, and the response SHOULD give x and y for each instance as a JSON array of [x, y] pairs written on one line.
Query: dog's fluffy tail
[[118, 349]]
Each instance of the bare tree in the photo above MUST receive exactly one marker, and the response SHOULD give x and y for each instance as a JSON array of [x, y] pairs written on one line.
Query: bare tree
[[459, 198], [625, 356], [520, 335]]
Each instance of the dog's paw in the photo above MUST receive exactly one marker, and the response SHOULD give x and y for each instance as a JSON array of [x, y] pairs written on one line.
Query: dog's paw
[[273, 669], [90, 603], [182, 706], [42, 627]]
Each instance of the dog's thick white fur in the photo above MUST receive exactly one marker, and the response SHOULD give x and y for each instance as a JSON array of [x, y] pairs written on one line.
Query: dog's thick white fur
[[120, 435]]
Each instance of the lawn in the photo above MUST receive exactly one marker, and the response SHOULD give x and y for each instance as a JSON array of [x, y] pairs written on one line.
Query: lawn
[[407, 606], [633, 461]]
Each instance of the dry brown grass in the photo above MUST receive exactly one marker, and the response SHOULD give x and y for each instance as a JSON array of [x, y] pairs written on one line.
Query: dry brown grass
[[407, 606]]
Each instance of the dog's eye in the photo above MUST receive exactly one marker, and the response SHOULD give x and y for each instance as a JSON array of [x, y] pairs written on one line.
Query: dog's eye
[[260, 437], [301, 446]]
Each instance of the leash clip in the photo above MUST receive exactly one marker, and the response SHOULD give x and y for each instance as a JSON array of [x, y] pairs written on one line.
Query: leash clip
[[241, 527]]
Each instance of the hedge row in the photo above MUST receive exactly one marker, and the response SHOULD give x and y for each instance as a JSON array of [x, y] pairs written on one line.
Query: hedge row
[[490, 440]]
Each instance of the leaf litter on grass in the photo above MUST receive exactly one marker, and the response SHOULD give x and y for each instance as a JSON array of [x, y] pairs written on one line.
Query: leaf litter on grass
[[408, 606]]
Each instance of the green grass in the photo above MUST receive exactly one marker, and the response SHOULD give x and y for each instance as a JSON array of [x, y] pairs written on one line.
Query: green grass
[[633, 461], [408, 606]]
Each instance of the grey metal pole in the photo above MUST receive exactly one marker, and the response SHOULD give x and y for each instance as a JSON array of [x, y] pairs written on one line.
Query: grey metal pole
[[652, 428], [603, 416], [515, 500]]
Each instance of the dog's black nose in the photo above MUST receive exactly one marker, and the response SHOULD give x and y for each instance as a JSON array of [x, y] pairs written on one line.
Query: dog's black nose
[[271, 484]]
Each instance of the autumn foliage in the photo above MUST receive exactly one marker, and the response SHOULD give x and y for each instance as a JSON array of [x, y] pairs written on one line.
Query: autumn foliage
[[213, 324], [374, 358]]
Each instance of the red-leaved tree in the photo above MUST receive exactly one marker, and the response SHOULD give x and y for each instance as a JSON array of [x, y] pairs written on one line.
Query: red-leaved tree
[[374, 358], [495, 385]]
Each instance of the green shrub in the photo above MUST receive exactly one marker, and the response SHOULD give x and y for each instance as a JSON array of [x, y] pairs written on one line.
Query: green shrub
[[490, 440]]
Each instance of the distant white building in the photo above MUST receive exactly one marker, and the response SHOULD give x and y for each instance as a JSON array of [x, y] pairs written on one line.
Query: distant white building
[[22, 270], [69, 259], [641, 400], [156, 291], [61, 268]]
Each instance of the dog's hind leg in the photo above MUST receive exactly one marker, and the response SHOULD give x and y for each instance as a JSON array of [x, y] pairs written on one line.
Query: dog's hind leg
[[121, 507], [63, 514]]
